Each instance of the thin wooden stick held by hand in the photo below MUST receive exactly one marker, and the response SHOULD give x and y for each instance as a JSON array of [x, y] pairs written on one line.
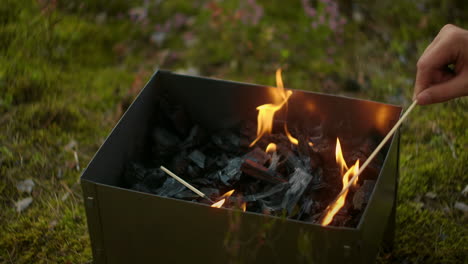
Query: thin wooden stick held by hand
[[379, 147], [186, 184]]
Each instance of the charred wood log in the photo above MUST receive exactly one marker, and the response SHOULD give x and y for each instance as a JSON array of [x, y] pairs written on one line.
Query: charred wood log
[[254, 169]]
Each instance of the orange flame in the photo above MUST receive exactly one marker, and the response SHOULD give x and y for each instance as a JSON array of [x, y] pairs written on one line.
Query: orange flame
[[227, 194], [266, 112], [334, 208], [339, 157], [270, 148], [219, 203], [311, 144], [291, 138], [244, 206]]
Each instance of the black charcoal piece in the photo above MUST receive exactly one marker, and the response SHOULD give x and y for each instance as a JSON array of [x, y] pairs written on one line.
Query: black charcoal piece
[[293, 161], [198, 158], [195, 137], [210, 192], [255, 170], [231, 172], [179, 163], [233, 139], [180, 120], [203, 181], [258, 156], [186, 195], [140, 188], [226, 140], [134, 173], [271, 191], [362, 195], [317, 180], [274, 161], [217, 141], [193, 171], [270, 205], [316, 160], [306, 207], [298, 181], [154, 178], [222, 161], [170, 188], [165, 142]]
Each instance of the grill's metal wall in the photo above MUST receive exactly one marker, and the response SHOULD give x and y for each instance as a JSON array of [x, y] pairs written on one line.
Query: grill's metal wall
[[131, 227]]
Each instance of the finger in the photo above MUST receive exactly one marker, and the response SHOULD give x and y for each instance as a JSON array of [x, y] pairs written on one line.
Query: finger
[[455, 87], [436, 56]]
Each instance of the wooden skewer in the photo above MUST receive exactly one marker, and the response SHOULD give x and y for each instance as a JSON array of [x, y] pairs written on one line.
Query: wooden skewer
[[379, 147], [186, 184]]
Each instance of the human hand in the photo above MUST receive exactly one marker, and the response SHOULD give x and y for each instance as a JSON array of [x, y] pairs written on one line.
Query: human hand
[[435, 81]]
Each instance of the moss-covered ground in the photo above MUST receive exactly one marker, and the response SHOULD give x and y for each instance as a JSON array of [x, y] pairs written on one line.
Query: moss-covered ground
[[68, 70]]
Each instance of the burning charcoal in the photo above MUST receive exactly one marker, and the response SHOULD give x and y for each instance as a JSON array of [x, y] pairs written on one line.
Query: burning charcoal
[[165, 142], [231, 172], [198, 158], [298, 181], [170, 188], [258, 156], [254, 169], [362, 195], [362, 152]]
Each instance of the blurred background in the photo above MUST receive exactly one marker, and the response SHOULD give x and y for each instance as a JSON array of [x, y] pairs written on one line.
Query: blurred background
[[69, 69]]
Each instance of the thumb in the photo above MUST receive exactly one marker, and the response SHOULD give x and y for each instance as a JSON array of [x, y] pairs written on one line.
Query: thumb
[[455, 87]]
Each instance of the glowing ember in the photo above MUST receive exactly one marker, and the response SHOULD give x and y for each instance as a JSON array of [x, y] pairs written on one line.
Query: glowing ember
[[311, 144], [244, 207], [266, 112], [270, 148], [335, 207], [219, 203]]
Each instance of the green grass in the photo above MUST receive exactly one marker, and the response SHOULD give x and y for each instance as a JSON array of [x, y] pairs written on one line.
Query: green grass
[[68, 71]]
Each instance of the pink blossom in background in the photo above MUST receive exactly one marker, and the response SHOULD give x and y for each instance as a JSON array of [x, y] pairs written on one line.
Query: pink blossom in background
[[321, 19], [333, 25]]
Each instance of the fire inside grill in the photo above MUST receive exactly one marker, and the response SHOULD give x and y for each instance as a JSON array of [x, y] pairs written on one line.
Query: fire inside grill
[[274, 169]]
